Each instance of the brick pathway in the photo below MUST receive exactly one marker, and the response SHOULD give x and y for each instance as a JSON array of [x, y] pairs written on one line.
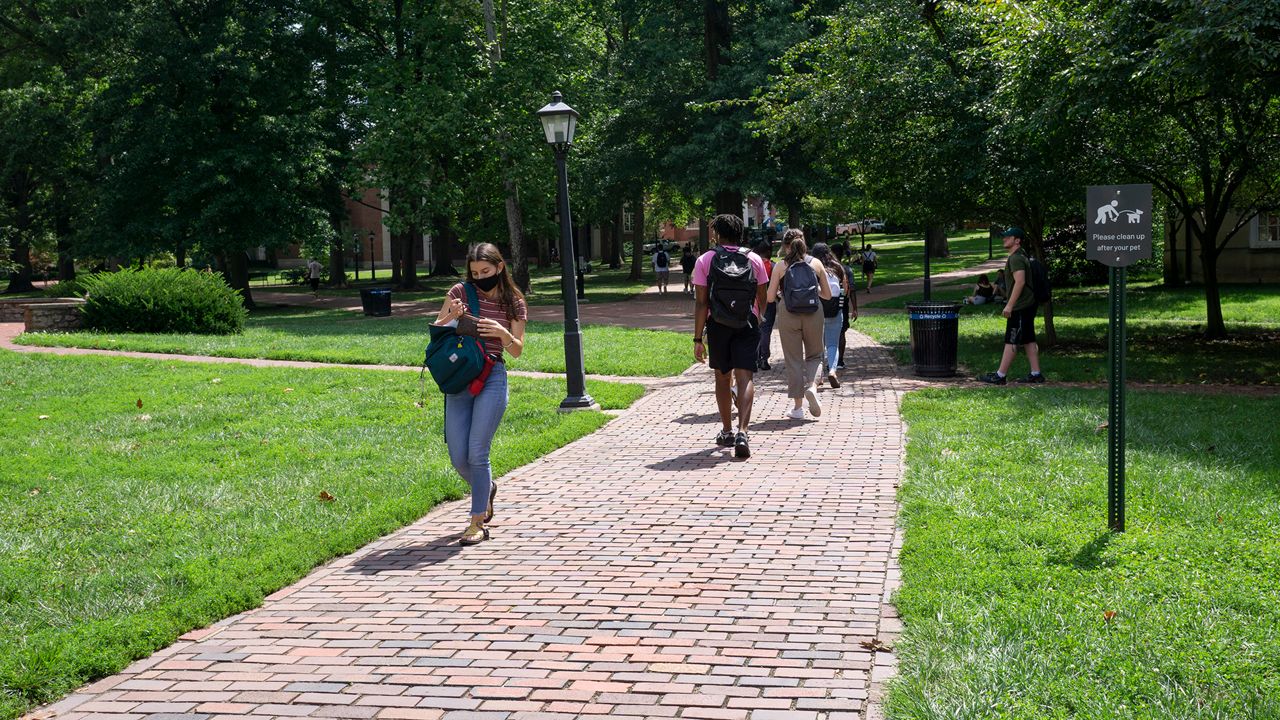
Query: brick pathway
[[638, 572]]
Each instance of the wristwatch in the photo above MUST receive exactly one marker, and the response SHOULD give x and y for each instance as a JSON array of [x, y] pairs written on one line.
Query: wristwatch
[[697, 339]]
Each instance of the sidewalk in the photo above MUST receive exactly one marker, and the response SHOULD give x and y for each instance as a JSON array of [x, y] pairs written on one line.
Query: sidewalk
[[638, 572]]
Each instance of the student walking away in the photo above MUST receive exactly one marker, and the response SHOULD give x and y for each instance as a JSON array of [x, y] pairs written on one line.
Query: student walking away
[[1020, 309], [687, 261], [870, 261], [799, 285], [832, 310], [314, 269], [729, 283], [850, 304], [471, 417], [662, 268], [764, 249], [983, 292]]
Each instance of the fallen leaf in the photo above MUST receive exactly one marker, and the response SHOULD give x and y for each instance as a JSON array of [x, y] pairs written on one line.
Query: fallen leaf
[[875, 646], [216, 380], [948, 451], [144, 418], [288, 389], [34, 492], [1103, 426], [139, 403], [417, 404], [1108, 615], [264, 441], [44, 417], [325, 496]]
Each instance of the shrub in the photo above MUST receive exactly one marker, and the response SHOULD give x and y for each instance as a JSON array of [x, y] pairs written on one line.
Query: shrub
[[168, 300], [1065, 253], [66, 289]]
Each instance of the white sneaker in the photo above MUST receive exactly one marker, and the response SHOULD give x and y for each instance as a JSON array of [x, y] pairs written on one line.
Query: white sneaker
[[815, 407], [796, 414]]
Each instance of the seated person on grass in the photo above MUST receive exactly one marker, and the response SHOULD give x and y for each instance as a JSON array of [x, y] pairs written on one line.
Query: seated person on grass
[[983, 292]]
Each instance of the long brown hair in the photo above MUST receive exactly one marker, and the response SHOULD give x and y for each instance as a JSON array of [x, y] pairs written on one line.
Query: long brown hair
[[796, 250], [508, 293], [822, 251]]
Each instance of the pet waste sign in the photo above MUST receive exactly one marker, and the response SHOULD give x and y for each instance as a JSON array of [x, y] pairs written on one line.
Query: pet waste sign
[[1118, 232]]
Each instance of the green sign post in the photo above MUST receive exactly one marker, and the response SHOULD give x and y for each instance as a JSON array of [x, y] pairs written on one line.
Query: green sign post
[[1118, 234]]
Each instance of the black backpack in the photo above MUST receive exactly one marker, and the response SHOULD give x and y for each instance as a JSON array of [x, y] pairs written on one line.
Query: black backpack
[[1039, 280], [800, 293], [661, 259], [732, 287]]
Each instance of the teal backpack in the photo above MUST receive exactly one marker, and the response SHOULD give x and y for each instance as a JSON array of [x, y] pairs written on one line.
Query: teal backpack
[[455, 360]]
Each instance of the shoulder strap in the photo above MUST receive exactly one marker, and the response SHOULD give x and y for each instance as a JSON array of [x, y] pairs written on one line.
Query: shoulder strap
[[473, 300]]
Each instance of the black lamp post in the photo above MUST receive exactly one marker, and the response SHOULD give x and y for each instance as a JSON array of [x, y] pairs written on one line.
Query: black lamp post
[[372, 274], [355, 243], [559, 121]]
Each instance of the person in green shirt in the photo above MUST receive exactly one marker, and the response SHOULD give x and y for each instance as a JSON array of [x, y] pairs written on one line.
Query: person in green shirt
[[1020, 309]]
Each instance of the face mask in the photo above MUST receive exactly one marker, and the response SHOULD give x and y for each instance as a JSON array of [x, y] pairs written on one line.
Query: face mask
[[487, 284]]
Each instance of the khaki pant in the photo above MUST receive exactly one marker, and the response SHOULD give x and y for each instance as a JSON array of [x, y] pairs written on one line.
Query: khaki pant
[[802, 347]]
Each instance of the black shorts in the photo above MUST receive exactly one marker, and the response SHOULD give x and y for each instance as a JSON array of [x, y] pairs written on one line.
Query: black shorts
[[315, 283], [1020, 328], [732, 348]]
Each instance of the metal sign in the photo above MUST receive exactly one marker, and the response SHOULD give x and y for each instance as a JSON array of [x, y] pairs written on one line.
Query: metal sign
[[1118, 227]]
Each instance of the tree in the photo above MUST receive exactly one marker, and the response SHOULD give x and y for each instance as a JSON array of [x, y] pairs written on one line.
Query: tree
[[1186, 96]]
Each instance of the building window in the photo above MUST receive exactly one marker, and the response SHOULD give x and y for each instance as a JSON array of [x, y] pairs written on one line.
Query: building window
[[628, 219], [1264, 232]]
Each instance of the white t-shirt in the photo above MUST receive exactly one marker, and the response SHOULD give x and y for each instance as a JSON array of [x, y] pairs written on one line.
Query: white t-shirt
[[314, 268]]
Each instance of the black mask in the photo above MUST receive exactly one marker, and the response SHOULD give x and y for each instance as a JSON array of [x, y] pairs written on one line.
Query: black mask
[[487, 284]]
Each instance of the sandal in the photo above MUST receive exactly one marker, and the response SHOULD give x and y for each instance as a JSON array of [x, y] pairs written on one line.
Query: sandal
[[474, 534]]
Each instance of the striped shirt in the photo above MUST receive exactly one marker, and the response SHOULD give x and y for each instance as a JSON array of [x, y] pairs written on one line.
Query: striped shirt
[[492, 310]]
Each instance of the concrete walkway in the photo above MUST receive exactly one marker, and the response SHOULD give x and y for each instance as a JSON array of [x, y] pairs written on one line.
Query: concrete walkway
[[638, 572]]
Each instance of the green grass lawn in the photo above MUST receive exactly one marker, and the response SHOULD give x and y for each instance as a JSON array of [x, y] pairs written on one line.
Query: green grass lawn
[[1164, 326], [1009, 574], [901, 257], [122, 527], [601, 285], [343, 336]]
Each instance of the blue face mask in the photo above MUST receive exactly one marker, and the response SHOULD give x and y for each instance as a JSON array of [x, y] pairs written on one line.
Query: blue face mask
[[487, 284]]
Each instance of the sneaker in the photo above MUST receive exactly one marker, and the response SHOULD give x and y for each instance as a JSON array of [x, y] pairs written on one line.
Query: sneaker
[[832, 380], [493, 493], [795, 414], [811, 396], [740, 447], [992, 378], [840, 365], [764, 365], [725, 438], [1032, 379], [475, 534]]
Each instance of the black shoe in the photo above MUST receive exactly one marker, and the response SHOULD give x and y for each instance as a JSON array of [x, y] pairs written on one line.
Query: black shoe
[[992, 378], [740, 447], [725, 438], [1033, 378], [764, 365]]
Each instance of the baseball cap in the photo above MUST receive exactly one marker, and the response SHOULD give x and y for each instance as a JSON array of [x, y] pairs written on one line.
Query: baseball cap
[[1015, 231]]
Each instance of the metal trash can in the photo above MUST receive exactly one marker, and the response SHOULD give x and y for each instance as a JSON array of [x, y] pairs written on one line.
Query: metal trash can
[[935, 337], [376, 301]]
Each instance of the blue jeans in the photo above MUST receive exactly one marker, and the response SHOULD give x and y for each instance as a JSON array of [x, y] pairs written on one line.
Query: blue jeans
[[469, 426], [831, 331]]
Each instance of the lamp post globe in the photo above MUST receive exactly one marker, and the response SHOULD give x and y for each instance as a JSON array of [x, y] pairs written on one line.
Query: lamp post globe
[[559, 122]]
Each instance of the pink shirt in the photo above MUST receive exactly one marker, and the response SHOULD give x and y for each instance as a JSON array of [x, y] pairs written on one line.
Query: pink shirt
[[702, 269], [492, 310]]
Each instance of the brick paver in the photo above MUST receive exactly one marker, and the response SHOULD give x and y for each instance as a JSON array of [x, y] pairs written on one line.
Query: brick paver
[[638, 572]]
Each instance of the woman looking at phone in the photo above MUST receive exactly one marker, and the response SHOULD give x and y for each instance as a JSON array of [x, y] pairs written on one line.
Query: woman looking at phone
[[470, 422]]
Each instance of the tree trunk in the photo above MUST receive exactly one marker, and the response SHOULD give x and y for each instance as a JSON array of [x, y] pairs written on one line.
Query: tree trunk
[[444, 242], [237, 273], [180, 254], [1216, 328], [20, 279], [1171, 273], [795, 209], [519, 261], [1187, 256], [637, 206], [615, 249], [704, 236], [20, 253], [935, 236]]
